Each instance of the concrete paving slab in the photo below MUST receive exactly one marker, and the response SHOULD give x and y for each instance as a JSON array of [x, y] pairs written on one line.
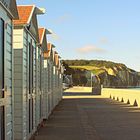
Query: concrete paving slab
[[87, 117]]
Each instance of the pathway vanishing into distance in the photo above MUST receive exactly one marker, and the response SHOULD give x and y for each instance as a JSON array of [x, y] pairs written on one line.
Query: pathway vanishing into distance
[[82, 116]]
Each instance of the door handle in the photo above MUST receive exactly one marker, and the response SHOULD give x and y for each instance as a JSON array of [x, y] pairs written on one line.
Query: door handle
[[2, 89]]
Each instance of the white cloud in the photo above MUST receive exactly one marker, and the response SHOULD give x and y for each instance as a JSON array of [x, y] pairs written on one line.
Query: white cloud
[[62, 18], [90, 49], [104, 40]]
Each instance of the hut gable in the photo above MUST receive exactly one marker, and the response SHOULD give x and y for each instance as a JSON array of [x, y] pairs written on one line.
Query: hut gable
[[41, 34], [25, 13], [42, 38], [56, 59], [13, 9], [28, 18], [49, 54], [33, 26], [11, 6]]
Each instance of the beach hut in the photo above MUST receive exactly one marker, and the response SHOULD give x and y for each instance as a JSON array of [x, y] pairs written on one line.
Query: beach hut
[[58, 78], [26, 54], [54, 74], [54, 88], [48, 75], [7, 14], [42, 72]]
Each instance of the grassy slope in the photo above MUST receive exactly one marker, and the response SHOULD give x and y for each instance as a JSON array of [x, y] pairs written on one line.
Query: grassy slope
[[93, 69]]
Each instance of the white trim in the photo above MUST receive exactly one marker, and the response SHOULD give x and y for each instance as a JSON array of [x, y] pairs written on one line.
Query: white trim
[[49, 31], [40, 11], [30, 17]]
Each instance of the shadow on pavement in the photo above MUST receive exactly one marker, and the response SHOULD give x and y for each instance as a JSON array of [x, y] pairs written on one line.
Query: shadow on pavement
[[94, 118]]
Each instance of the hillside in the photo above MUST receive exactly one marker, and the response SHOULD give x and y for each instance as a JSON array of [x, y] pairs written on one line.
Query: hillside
[[109, 73]]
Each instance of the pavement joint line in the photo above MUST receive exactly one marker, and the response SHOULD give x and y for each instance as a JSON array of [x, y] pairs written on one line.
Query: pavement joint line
[[89, 131]]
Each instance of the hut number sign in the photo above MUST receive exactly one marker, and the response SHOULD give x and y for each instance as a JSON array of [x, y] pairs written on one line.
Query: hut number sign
[[45, 63]]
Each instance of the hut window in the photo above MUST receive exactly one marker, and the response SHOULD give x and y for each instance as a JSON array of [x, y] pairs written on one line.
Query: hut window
[[2, 78]]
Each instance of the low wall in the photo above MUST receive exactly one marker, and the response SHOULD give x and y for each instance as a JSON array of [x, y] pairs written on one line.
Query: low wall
[[79, 89], [131, 96]]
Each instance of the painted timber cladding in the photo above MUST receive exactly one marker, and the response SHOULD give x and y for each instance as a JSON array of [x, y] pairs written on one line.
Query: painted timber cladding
[[8, 102], [43, 88], [51, 85], [36, 84], [39, 86], [42, 83], [46, 108], [48, 98], [48, 86], [21, 83], [55, 86]]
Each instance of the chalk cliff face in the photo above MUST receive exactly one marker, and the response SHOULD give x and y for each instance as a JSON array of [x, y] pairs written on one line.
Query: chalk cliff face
[[109, 74], [119, 77]]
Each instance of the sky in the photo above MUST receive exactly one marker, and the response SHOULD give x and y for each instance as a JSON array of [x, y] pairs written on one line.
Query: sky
[[93, 29]]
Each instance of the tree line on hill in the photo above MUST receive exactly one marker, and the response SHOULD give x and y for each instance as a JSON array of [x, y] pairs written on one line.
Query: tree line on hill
[[97, 63]]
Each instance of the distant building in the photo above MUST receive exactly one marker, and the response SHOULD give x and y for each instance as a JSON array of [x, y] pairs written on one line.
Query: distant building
[[96, 85], [68, 80]]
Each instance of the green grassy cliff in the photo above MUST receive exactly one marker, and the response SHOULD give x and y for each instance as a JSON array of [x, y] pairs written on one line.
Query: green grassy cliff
[[110, 74]]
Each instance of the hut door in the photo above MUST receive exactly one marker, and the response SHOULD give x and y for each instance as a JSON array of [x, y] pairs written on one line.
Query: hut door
[[2, 133], [31, 87], [40, 86], [49, 89]]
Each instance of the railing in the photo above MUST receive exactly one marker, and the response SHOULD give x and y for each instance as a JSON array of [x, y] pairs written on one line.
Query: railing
[[129, 96]]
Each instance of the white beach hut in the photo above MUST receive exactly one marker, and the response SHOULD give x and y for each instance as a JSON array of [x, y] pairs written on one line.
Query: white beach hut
[[7, 14], [26, 54], [58, 79], [48, 75], [43, 73]]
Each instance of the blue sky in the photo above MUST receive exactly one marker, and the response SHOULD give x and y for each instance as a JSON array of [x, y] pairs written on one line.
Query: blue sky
[[93, 29]]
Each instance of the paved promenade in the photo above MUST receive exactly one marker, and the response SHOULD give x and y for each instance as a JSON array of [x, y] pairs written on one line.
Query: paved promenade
[[81, 116]]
